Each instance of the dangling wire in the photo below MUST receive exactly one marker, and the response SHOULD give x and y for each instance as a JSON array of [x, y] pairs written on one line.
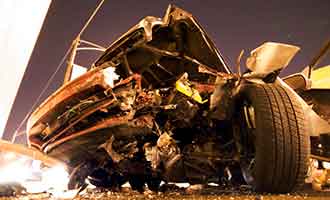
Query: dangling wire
[[318, 57], [90, 18], [16, 133]]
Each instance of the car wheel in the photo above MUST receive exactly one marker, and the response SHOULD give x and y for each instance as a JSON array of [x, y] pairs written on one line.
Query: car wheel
[[274, 140]]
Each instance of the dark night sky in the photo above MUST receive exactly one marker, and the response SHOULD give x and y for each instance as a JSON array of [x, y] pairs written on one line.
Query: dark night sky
[[233, 25]]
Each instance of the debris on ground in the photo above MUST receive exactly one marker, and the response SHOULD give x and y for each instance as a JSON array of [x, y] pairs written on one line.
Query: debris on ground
[[11, 189]]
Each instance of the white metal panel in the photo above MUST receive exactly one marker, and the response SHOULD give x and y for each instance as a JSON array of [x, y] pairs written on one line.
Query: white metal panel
[[271, 56], [20, 24], [77, 71]]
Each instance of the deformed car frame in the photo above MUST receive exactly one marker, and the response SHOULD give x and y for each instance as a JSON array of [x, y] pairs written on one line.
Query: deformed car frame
[[177, 114]]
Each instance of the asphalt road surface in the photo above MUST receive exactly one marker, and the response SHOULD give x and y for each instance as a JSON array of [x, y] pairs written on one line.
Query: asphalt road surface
[[216, 193]]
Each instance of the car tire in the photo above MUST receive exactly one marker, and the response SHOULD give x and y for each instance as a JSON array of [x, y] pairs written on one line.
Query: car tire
[[274, 139]]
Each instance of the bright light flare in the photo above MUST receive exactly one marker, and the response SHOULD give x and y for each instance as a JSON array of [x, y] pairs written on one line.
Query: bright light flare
[[15, 171], [9, 156], [53, 180], [56, 178], [28, 173], [326, 165]]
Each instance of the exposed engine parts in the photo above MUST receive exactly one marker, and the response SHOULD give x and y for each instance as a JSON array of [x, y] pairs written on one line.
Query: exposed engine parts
[[174, 112]]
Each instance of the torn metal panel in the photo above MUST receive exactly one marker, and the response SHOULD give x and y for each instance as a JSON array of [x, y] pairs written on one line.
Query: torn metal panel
[[271, 57], [156, 46], [222, 97], [83, 86], [120, 153], [70, 111]]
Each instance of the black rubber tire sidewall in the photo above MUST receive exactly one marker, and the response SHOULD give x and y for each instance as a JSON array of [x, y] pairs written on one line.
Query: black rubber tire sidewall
[[282, 143]]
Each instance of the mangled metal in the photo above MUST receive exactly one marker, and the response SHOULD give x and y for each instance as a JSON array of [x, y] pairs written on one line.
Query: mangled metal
[[175, 113], [271, 57]]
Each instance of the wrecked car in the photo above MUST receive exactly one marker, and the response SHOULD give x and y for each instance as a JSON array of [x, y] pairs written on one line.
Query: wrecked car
[[177, 113], [312, 84]]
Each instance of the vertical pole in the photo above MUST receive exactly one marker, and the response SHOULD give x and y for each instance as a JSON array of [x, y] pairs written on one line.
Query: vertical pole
[[69, 67], [318, 57]]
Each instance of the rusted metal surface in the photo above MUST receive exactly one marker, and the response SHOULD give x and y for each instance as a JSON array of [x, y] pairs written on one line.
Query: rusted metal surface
[[90, 80], [105, 124]]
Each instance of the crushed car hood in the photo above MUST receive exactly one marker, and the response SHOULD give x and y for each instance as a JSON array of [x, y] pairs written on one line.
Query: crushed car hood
[[153, 54], [155, 47], [159, 50]]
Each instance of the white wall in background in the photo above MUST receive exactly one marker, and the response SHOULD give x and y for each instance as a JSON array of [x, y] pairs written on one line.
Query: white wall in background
[[20, 24]]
